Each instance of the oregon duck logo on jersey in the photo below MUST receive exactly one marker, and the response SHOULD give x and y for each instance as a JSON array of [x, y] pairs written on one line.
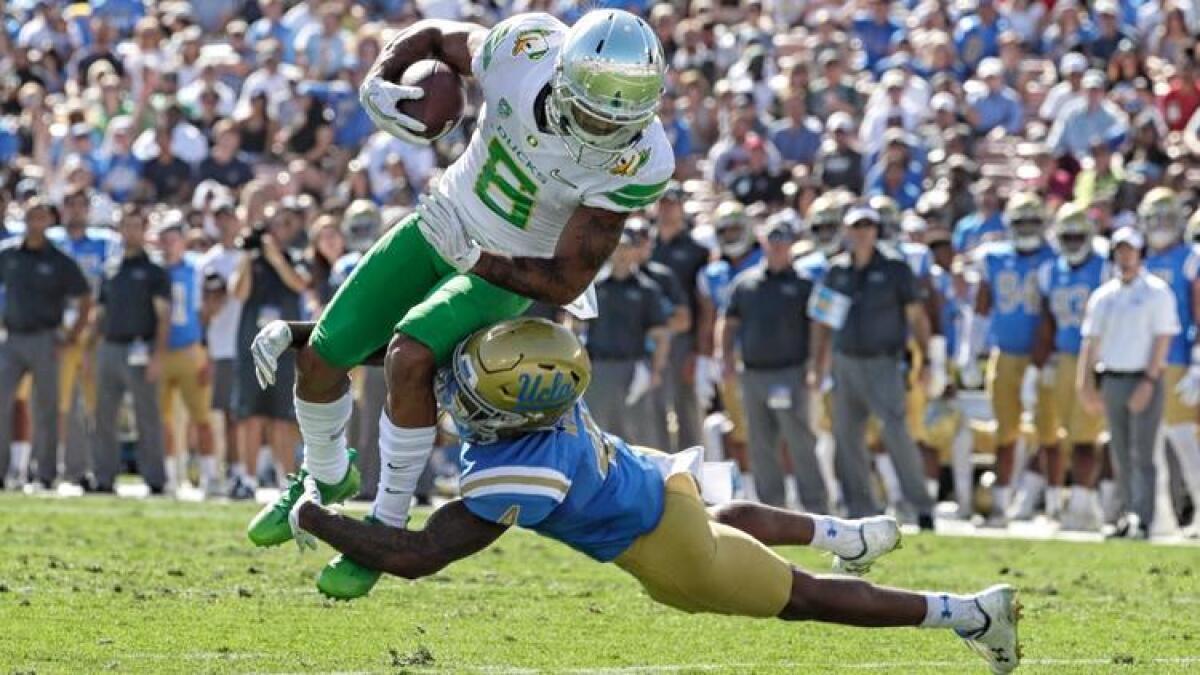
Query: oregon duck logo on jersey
[[630, 163], [532, 43]]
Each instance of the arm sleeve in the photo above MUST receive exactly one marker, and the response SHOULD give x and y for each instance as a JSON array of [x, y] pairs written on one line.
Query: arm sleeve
[[76, 283], [514, 495], [162, 284], [733, 308], [1166, 316]]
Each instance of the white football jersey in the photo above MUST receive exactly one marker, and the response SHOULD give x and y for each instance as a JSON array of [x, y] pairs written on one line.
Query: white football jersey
[[516, 185]]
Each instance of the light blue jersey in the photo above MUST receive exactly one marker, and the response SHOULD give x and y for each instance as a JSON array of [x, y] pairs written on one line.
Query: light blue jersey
[[713, 279], [919, 258], [574, 484], [1066, 288], [97, 248], [812, 266], [1178, 267], [952, 308], [1012, 278], [187, 292]]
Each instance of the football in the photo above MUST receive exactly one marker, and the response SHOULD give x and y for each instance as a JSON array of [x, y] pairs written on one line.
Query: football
[[445, 97]]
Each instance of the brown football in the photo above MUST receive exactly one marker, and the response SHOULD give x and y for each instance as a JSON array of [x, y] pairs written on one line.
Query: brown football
[[444, 100]]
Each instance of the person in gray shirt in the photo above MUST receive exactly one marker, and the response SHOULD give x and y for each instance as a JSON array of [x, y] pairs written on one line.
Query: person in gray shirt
[[38, 280], [764, 330], [633, 313], [864, 308]]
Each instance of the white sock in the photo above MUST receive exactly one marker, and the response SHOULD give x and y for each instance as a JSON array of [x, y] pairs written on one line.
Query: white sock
[[323, 428], [931, 486], [19, 454], [836, 535], [749, 491], [945, 610], [1001, 496], [1187, 451], [239, 470], [266, 458], [208, 468], [891, 480], [1054, 498], [402, 457], [172, 469]]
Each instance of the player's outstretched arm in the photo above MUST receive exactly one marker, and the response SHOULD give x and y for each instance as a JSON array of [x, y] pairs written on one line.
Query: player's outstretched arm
[[452, 42], [452, 533], [586, 243]]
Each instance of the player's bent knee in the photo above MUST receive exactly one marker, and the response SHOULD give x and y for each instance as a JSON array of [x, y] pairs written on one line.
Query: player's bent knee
[[316, 378], [799, 606], [409, 362]]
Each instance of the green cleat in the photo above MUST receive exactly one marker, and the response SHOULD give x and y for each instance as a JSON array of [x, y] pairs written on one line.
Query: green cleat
[[270, 527], [344, 579]]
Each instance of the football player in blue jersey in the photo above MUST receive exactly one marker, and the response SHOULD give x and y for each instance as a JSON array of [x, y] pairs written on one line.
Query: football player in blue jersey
[[1066, 283], [739, 250], [824, 220], [1006, 315], [534, 458], [1177, 262]]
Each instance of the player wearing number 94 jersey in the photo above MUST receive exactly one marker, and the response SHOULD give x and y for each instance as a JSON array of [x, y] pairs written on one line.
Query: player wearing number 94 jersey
[[568, 143], [1006, 317]]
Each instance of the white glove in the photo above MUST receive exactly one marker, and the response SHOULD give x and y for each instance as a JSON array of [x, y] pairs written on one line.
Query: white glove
[[269, 344], [304, 540], [708, 376], [1029, 388], [380, 99], [1189, 387], [449, 238]]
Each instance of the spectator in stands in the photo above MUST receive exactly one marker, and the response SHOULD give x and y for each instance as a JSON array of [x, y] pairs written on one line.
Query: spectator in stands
[[797, 135], [839, 164], [1087, 120], [167, 178], [997, 105]]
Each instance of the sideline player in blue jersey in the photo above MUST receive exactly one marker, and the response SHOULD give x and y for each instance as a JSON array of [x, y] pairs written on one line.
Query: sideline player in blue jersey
[[1177, 262], [739, 251], [1007, 311], [535, 459], [94, 249], [1066, 283]]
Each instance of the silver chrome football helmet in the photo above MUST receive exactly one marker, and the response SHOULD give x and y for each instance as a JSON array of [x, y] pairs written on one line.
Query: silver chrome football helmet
[[608, 81]]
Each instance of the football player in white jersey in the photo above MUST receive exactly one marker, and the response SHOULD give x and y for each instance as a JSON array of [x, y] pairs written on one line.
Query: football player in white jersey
[[567, 144]]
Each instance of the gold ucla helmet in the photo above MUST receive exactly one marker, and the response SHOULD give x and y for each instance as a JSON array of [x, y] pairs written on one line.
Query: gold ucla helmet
[[515, 376], [1025, 214], [1074, 231], [608, 81], [889, 215], [1160, 216], [825, 220]]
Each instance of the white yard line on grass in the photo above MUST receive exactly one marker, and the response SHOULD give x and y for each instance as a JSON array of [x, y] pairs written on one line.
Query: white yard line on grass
[[816, 666]]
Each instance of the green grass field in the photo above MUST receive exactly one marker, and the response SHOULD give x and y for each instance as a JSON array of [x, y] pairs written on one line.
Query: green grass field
[[104, 584]]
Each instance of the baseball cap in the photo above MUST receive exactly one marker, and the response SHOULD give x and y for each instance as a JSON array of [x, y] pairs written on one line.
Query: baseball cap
[[1128, 235], [840, 121], [1093, 79], [1106, 7], [942, 101], [892, 79], [991, 67], [1073, 63], [860, 213]]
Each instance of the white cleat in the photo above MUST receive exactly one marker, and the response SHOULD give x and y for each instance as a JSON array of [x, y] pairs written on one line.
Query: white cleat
[[997, 641], [876, 537]]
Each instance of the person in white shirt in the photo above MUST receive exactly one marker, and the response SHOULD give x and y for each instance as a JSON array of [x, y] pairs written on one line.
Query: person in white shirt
[[1127, 329]]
